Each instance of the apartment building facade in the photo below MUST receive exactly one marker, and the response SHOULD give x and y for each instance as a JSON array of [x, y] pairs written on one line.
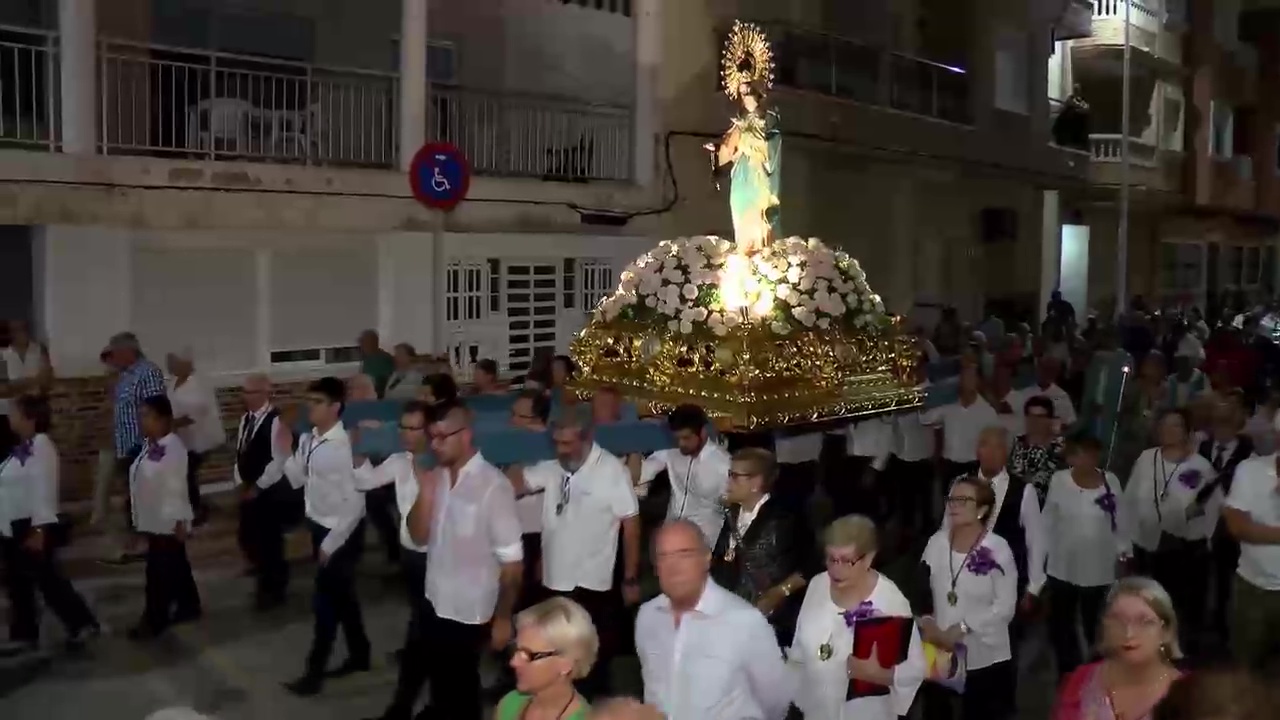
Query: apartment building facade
[[1203, 135]]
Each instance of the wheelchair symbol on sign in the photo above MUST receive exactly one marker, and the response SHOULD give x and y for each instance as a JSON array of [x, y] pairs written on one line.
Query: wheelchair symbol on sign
[[439, 183]]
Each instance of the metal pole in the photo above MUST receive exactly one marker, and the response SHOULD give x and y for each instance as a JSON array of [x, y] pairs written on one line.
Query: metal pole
[[1122, 242], [1115, 417]]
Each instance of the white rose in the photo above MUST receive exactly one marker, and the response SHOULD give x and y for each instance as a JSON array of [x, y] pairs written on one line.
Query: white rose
[[780, 327], [673, 325], [699, 314], [720, 330], [732, 319], [793, 274], [824, 323], [686, 327], [690, 291], [651, 301]]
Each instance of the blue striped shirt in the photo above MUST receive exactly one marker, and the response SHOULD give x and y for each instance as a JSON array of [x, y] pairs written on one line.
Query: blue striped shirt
[[138, 382]]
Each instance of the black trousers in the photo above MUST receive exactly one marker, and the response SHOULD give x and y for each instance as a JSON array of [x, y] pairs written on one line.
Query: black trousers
[[264, 522], [1067, 604], [335, 602], [1226, 558], [412, 675], [27, 572], [532, 591], [171, 588], [195, 461], [1183, 570], [447, 653], [911, 494], [380, 505], [990, 693], [605, 609]]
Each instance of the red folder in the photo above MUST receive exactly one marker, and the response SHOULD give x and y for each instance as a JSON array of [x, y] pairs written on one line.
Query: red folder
[[891, 637]]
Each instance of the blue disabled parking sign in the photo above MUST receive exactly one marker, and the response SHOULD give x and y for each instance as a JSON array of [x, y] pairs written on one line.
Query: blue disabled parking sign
[[440, 176]]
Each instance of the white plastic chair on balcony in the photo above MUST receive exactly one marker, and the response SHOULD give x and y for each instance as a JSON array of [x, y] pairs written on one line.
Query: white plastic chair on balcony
[[220, 125], [291, 133]]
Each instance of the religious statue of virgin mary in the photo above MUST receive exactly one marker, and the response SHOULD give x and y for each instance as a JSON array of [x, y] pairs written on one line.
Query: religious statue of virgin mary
[[752, 146]]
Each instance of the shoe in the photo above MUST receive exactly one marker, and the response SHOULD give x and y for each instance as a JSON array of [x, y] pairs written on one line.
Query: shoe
[[81, 638], [350, 666], [305, 686], [17, 648]]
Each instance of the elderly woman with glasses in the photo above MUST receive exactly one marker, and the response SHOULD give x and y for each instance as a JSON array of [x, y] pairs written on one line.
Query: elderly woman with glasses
[[971, 600], [1139, 646], [856, 650], [555, 645]]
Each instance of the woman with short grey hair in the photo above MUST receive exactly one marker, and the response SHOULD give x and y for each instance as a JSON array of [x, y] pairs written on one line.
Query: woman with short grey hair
[[555, 644]]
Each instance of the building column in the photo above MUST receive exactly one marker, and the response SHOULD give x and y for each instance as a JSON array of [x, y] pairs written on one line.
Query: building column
[[648, 47], [77, 30], [413, 79], [1050, 247]]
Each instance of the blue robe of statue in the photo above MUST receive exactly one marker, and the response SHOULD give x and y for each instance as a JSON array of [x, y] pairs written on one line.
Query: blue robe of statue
[[755, 180]]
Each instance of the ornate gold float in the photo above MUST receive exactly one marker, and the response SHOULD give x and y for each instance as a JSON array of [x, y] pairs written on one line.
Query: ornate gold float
[[762, 332]]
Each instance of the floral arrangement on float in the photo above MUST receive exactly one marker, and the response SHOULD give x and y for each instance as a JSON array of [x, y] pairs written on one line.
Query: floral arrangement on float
[[700, 284], [762, 330]]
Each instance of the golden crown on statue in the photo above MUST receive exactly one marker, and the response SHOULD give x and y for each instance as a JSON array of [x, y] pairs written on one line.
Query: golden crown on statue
[[762, 332]]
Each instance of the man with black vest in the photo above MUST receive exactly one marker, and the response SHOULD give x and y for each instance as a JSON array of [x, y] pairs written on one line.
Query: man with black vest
[[1015, 517], [267, 506]]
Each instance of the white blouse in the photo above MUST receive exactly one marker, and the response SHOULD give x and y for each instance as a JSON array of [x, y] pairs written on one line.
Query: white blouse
[[1084, 540], [29, 485], [823, 683], [196, 399], [986, 597], [1160, 495], [158, 487]]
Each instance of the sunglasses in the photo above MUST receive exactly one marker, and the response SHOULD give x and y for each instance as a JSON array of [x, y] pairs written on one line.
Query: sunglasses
[[530, 656]]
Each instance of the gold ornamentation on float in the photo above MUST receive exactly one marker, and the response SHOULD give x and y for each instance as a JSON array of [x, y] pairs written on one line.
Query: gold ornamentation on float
[[747, 60]]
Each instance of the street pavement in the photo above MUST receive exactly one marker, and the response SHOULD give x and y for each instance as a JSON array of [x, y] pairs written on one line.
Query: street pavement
[[231, 663]]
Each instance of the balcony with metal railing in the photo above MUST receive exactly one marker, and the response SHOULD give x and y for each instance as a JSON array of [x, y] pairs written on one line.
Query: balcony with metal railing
[[1150, 166], [178, 102], [28, 88]]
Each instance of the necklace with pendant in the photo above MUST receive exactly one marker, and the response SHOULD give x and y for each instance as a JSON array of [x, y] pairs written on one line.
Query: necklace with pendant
[[952, 596]]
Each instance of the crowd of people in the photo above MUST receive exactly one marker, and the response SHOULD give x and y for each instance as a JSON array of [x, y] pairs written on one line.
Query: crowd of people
[[1142, 554]]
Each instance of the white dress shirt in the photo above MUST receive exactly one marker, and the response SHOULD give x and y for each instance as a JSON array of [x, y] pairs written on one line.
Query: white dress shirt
[[985, 603], [275, 469], [29, 485], [580, 531], [1029, 518], [158, 487], [529, 513], [1161, 496], [1063, 410], [913, 441], [196, 399], [871, 438], [1083, 543], [397, 469], [720, 662], [961, 425], [697, 485], [824, 683], [323, 465], [23, 367], [796, 449], [474, 531], [1255, 491]]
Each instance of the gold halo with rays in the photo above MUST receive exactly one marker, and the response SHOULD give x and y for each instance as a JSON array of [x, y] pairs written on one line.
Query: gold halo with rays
[[747, 58]]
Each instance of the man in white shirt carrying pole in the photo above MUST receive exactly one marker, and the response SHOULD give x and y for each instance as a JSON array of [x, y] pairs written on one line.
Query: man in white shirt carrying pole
[[698, 470], [588, 500], [465, 513], [335, 514], [705, 653]]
